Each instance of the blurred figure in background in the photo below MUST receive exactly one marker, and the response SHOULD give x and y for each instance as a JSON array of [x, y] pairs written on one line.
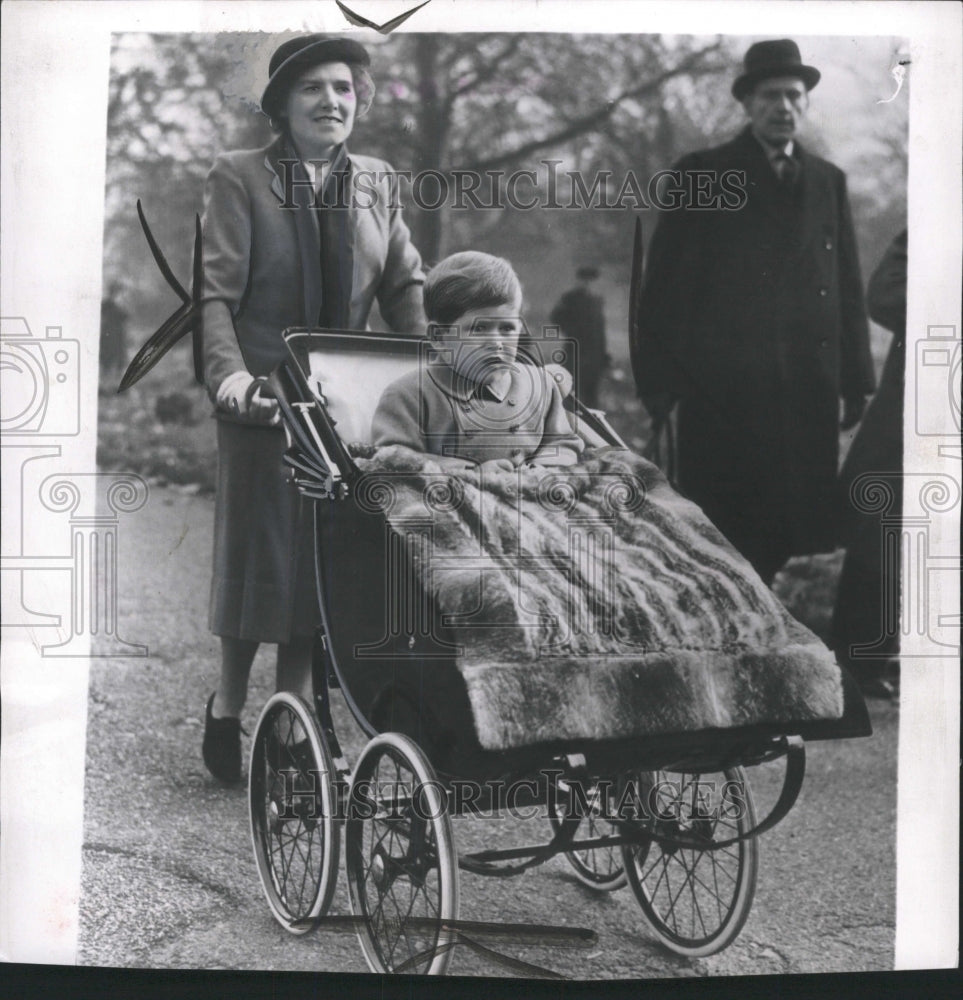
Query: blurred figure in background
[[867, 604], [753, 320], [113, 333], [581, 315]]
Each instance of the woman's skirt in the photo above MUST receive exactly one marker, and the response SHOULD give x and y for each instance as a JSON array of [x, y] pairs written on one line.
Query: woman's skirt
[[263, 587]]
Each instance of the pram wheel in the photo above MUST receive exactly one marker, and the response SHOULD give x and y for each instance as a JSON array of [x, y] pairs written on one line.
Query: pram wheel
[[600, 867], [293, 808], [695, 898], [400, 859]]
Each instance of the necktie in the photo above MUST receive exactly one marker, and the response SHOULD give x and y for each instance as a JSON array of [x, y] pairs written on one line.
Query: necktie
[[786, 168]]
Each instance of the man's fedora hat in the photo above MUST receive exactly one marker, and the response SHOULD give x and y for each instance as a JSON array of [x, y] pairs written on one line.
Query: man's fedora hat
[[294, 56], [765, 60]]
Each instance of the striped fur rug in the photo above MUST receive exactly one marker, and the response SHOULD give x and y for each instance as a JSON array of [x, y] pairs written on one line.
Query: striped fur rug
[[597, 603]]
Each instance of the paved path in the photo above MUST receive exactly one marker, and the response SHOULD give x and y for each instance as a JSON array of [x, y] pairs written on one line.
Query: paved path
[[169, 876]]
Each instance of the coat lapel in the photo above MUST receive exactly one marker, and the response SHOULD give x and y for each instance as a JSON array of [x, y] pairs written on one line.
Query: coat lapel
[[782, 220], [306, 222], [812, 193], [765, 190]]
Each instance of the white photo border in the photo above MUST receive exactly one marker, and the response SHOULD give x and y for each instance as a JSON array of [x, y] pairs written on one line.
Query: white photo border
[[55, 72]]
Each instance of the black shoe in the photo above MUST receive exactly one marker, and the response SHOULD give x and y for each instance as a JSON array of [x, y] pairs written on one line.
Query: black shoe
[[222, 746]]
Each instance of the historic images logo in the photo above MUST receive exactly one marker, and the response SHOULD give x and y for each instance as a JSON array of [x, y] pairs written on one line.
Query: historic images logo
[[546, 187], [648, 799]]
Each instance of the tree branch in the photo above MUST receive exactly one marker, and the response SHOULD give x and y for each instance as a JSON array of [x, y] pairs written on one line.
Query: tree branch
[[465, 45], [589, 121], [484, 73]]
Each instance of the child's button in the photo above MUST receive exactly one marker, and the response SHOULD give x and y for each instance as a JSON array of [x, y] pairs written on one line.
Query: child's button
[[510, 401]]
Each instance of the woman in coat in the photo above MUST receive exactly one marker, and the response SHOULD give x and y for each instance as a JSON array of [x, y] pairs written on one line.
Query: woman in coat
[[300, 233]]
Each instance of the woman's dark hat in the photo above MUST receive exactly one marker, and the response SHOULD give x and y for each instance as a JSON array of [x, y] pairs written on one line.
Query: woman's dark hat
[[296, 55], [765, 60]]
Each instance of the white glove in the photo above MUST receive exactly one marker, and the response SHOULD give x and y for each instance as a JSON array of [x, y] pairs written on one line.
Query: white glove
[[240, 395]]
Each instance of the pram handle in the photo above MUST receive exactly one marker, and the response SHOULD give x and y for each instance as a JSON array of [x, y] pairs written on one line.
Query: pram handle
[[322, 467], [261, 384]]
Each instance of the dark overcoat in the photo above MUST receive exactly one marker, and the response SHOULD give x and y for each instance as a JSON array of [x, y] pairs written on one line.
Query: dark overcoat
[[867, 610], [752, 314]]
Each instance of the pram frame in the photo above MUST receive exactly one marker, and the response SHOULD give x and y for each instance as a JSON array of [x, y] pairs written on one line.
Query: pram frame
[[312, 433]]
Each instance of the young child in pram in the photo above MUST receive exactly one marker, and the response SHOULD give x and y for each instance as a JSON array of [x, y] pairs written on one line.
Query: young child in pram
[[474, 398], [591, 600]]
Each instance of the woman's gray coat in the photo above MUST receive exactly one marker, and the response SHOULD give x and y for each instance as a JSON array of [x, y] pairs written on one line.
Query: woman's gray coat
[[262, 274]]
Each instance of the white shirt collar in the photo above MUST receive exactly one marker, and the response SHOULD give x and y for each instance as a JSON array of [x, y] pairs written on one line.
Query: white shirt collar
[[787, 150], [499, 384]]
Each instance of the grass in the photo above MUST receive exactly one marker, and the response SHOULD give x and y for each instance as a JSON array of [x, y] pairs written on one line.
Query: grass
[[131, 437]]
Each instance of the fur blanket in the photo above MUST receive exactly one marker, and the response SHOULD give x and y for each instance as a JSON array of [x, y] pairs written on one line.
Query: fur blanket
[[596, 603]]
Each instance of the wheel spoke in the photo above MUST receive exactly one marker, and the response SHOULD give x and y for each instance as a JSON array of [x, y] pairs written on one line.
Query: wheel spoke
[[674, 899], [600, 868], [696, 898], [400, 882], [691, 881], [296, 853]]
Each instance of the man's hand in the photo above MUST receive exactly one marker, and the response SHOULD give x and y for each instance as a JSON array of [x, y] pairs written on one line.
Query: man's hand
[[659, 405], [853, 409]]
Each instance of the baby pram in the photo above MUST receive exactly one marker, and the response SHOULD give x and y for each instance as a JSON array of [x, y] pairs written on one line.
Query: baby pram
[[655, 799]]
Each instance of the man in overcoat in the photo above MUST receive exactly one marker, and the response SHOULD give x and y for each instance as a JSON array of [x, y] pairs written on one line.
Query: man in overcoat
[[580, 313], [752, 318]]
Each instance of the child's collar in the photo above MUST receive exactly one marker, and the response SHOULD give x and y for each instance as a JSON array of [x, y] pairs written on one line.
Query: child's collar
[[461, 387]]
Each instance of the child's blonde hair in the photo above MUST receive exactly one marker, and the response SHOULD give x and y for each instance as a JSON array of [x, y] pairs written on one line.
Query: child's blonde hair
[[466, 281]]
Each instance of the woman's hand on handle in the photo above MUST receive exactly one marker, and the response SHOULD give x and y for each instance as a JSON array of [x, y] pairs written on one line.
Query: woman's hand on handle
[[262, 407], [246, 397]]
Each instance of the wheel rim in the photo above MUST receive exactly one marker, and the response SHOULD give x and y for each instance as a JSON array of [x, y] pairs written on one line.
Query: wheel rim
[[695, 899], [292, 813], [401, 864], [600, 867]]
